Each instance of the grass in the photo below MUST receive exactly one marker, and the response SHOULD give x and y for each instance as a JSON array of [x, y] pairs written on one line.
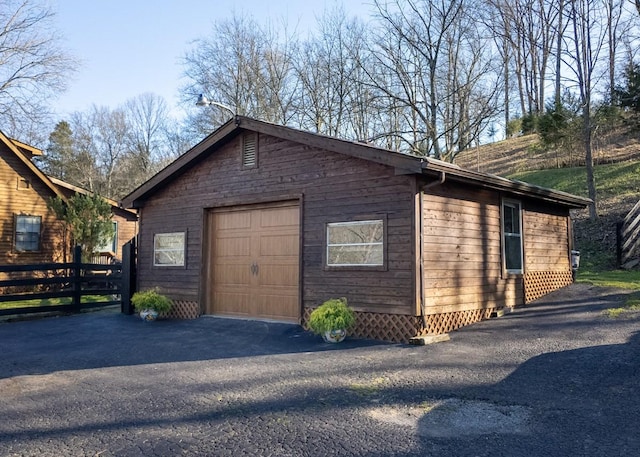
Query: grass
[[632, 304], [53, 301], [621, 279], [612, 180]]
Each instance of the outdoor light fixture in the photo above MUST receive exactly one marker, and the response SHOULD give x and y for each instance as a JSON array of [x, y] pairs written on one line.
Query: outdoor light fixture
[[204, 101]]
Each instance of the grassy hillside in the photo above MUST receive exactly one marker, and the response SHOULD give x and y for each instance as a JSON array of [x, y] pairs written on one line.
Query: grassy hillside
[[615, 183], [618, 189]]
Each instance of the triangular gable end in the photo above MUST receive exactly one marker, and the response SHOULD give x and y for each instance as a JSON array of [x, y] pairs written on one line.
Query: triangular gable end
[[11, 145]]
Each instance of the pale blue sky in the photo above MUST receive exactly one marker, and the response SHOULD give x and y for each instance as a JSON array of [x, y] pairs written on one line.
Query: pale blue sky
[[128, 47]]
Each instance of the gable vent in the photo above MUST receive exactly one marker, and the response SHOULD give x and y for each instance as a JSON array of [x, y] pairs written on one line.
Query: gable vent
[[249, 150]]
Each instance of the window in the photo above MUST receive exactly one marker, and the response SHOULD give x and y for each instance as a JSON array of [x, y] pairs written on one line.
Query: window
[[512, 236], [111, 245], [358, 243], [168, 249], [27, 237]]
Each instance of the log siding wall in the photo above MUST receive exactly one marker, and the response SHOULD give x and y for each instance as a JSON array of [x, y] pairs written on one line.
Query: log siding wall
[[30, 200], [331, 187]]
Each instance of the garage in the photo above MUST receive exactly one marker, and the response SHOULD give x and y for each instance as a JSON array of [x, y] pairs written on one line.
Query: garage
[[253, 262]]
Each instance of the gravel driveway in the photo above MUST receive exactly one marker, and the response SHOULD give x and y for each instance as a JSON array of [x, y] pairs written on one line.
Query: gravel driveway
[[556, 378]]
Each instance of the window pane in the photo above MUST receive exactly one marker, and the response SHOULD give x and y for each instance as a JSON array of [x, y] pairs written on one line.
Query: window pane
[[169, 240], [511, 221], [27, 234], [356, 255], [355, 243], [513, 253], [169, 249], [169, 258], [110, 245], [351, 233]]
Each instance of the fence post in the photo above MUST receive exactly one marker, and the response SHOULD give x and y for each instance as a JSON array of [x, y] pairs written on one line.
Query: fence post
[[77, 278], [619, 242], [128, 276]]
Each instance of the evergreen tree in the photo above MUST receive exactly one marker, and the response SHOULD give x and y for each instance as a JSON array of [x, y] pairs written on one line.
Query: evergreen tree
[[59, 153], [628, 96], [87, 218]]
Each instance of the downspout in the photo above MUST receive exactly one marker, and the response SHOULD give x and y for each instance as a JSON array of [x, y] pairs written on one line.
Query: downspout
[[430, 185]]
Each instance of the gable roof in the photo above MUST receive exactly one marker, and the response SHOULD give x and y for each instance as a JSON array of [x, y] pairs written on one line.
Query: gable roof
[[17, 148], [403, 163], [70, 189]]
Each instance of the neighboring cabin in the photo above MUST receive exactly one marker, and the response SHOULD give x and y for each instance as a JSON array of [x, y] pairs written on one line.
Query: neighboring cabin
[[267, 222], [30, 232]]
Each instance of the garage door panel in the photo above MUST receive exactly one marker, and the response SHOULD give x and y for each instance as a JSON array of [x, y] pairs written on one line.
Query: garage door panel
[[254, 263], [232, 275], [278, 217], [232, 303], [278, 275], [279, 245], [232, 220], [232, 246], [266, 310]]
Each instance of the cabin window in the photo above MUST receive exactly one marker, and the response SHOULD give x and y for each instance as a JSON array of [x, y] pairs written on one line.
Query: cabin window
[[110, 245], [168, 249], [359, 243], [512, 236], [250, 150], [27, 235]]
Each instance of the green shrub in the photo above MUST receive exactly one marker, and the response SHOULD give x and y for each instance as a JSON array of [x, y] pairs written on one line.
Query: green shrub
[[151, 299], [333, 314]]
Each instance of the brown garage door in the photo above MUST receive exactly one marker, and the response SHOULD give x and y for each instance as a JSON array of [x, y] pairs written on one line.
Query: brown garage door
[[253, 262]]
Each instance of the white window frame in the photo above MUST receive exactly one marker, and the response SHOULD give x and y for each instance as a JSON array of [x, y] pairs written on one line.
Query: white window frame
[[111, 245], [15, 233], [180, 260], [517, 205], [338, 245]]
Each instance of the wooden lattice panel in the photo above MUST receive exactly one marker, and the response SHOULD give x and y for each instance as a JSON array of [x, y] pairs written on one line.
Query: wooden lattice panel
[[399, 328], [396, 328], [182, 309], [539, 283], [448, 322]]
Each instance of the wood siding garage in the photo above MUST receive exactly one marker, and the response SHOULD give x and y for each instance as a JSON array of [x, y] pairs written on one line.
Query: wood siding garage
[[253, 262], [245, 256]]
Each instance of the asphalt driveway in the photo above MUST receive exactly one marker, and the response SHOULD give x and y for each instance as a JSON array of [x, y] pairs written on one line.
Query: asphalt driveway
[[556, 378]]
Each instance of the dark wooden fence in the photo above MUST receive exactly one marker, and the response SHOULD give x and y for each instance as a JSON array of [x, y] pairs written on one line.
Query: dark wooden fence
[[628, 235], [73, 280]]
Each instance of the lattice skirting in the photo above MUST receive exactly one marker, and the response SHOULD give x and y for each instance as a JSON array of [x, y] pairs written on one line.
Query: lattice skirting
[[539, 283], [448, 322], [182, 309], [399, 328]]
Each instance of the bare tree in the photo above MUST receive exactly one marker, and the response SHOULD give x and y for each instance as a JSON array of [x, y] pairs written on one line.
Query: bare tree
[[617, 28], [33, 65], [147, 116], [101, 136], [418, 56], [244, 66], [528, 31], [589, 32], [330, 98]]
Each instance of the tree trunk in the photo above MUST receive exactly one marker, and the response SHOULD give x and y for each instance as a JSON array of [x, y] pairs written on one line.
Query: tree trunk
[[591, 182]]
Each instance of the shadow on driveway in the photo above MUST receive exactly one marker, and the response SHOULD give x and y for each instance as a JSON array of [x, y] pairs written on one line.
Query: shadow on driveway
[[108, 338]]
